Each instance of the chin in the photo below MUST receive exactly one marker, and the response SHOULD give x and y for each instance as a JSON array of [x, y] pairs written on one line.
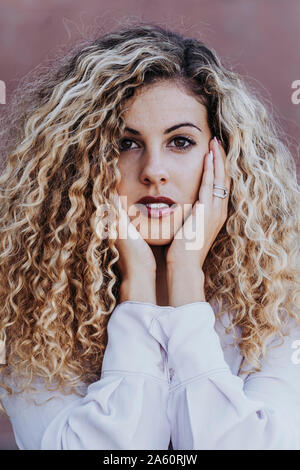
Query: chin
[[161, 231], [156, 234]]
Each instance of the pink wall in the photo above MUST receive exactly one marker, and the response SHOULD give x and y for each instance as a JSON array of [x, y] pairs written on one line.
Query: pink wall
[[260, 38]]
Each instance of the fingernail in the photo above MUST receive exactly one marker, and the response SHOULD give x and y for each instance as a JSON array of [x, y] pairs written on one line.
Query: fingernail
[[216, 140]]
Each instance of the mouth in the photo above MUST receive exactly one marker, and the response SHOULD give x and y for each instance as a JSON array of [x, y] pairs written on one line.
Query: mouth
[[156, 207]]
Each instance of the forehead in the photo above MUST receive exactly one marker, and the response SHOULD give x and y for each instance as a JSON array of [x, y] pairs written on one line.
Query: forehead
[[163, 102]]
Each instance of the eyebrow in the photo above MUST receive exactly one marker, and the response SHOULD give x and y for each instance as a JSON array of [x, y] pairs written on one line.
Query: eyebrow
[[167, 131]]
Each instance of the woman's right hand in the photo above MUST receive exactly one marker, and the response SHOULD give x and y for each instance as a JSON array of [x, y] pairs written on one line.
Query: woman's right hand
[[136, 264]]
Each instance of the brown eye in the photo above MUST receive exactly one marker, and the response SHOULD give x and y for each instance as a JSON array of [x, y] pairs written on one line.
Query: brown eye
[[182, 141], [127, 145]]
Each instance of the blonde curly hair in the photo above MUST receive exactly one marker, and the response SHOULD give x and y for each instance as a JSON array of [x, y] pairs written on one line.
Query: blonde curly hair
[[60, 149]]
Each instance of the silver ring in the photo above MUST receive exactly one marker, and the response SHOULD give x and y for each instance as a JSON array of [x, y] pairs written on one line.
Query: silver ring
[[218, 186]]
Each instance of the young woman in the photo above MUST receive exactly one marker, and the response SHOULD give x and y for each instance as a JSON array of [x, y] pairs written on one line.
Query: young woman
[[187, 328]]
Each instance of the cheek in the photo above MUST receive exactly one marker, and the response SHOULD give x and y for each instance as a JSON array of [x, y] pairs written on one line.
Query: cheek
[[124, 173], [193, 183], [127, 168], [127, 184]]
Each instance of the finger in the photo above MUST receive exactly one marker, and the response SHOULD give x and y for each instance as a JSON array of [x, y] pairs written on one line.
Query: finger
[[219, 162], [221, 175], [206, 187], [194, 228]]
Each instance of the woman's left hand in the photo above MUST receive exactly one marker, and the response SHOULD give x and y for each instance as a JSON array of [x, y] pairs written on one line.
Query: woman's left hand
[[178, 257]]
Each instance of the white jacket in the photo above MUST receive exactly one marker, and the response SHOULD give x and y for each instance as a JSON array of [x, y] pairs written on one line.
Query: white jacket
[[169, 373]]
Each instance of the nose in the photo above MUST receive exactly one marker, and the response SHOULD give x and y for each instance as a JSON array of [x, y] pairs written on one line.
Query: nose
[[153, 170]]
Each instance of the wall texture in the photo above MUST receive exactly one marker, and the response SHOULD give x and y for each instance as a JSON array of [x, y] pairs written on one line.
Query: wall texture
[[259, 38]]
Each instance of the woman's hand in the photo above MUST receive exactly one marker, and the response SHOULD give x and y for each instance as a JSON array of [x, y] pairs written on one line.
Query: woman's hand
[[136, 264], [184, 266]]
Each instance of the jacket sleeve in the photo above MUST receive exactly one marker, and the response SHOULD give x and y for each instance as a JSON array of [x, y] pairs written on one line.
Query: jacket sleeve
[[210, 407], [124, 409]]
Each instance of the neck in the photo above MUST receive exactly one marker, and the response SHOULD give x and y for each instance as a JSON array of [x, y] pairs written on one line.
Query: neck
[[161, 275]]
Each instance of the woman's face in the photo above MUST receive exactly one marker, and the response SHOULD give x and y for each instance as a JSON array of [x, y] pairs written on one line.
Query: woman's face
[[156, 160]]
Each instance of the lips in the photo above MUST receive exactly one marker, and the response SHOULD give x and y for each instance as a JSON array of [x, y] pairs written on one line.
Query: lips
[[156, 212], [155, 199]]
